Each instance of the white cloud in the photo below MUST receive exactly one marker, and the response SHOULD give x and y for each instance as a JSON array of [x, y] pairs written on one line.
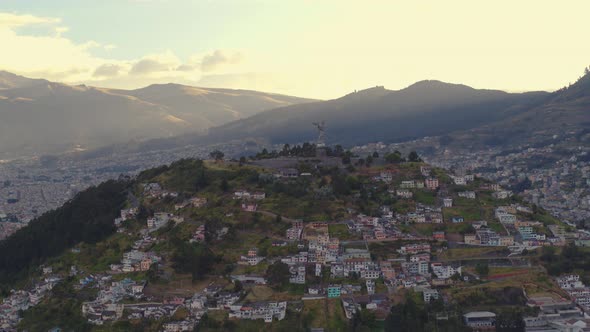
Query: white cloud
[[9, 20], [220, 58], [107, 70], [60, 30], [155, 63]]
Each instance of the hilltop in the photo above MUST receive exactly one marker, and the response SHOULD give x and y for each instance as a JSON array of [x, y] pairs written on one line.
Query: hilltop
[[220, 242]]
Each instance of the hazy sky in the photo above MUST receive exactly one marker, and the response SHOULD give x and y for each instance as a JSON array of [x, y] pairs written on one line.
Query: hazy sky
[[313, 48]]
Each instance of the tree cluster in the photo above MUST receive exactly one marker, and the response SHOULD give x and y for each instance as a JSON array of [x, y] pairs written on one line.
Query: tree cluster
[[196, 259], [410, 316], [571, 258], [87, 218], [278, 274]]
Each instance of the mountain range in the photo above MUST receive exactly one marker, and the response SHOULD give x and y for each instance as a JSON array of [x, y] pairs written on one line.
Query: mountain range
[[426, 108], [171, 116], [39, 116], [469, 118]]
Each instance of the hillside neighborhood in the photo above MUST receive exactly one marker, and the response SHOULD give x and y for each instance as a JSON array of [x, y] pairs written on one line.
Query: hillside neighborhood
[[366, 240]]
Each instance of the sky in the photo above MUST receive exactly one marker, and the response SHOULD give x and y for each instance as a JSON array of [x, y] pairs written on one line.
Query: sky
[[309, 48]]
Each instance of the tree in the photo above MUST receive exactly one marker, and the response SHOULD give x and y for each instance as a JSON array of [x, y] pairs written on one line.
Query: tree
[[394, 157], [375, 155], [217, 155], [278, 219], [193, 258], [286, 151], [256, 217], [224, 186], [238, 286], [587, 71], [278, 274], [510, 321], [369, 160], [413, 157], [482, 269], [368, 318], [522, 185], [153, 273], [346, 157], [212, 227], [201, 179], [406, 317]]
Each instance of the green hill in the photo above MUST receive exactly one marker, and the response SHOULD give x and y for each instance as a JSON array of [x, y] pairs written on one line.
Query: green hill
[[327, 200]]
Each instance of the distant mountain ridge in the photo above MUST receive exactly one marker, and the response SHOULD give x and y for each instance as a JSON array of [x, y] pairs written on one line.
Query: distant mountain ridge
[[11, 81], [176, 115], [426, 108], [38, 116], [564, 113]]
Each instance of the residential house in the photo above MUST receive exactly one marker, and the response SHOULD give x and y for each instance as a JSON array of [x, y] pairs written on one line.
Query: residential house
[[480, 320], [443, 271], [198, 202], [430, 294], [503, 194], [488, 237], [471, 239], [297, 274], [506, 241], [457, 219], [370, 286], [287, 173], [387, 270], [425, 170], [447, 202], [408, 184], [414, 248], [249, 207], [438, 236], [259, 310], [459, 180], [403, 193], [334, 291], [467, 194]]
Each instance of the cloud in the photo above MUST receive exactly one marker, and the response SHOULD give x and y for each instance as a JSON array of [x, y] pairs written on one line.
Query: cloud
[[155, 64], [107, 70], [47, 52], [220, 58], [147, 66], [60, 30], [9, 20]]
